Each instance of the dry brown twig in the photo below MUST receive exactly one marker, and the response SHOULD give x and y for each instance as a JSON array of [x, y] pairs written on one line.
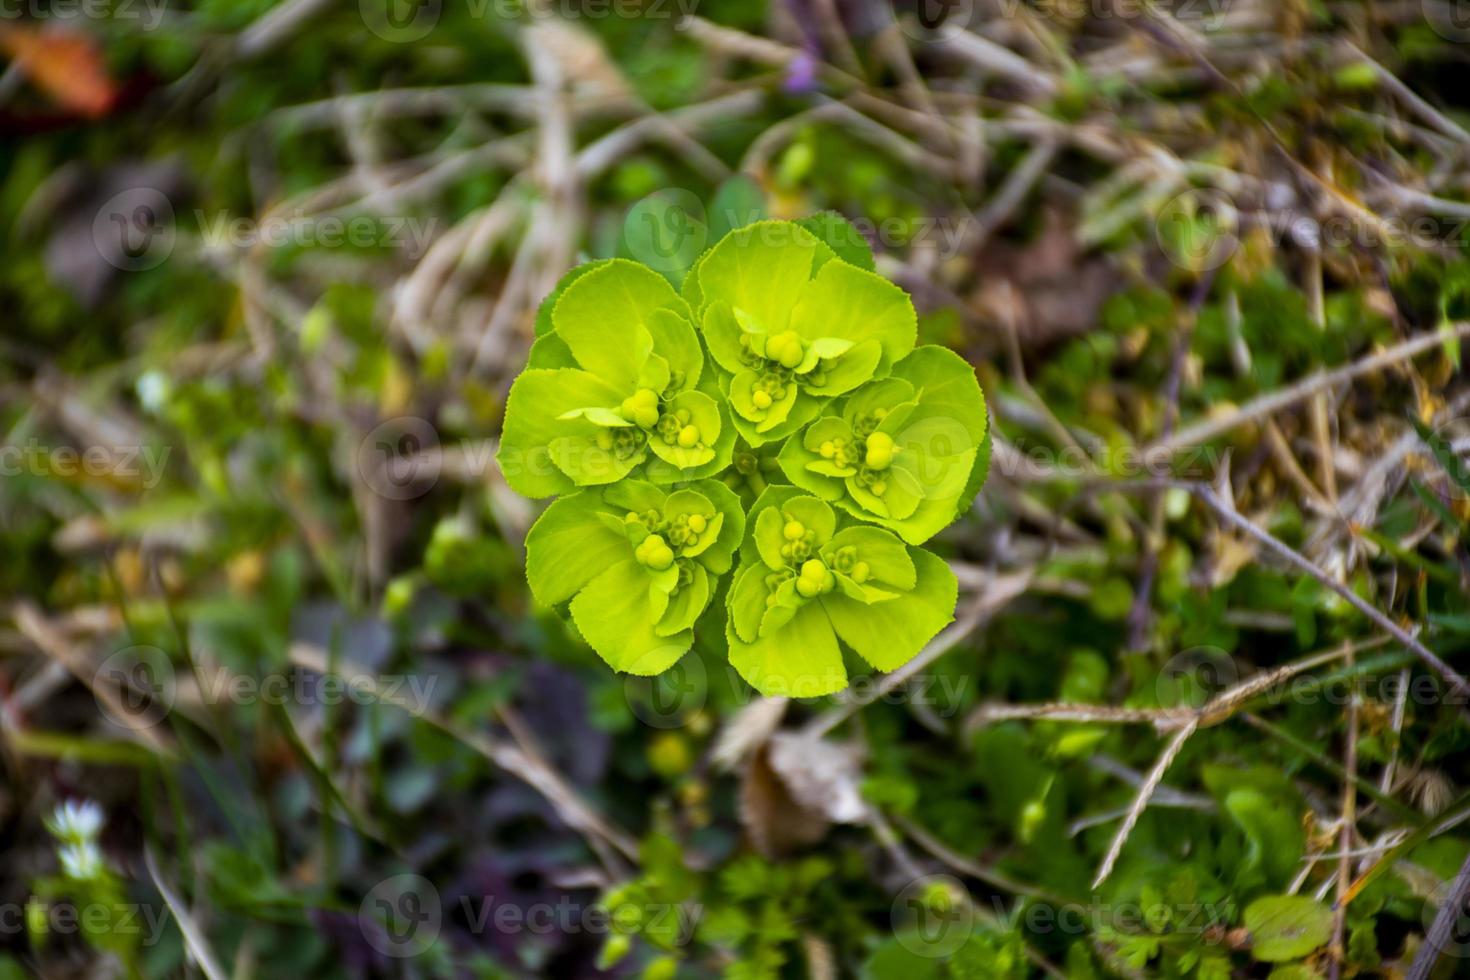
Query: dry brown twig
[[1181, 723]]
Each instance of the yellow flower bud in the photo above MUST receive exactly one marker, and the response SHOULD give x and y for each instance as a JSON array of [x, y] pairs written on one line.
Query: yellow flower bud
[[880, 452]]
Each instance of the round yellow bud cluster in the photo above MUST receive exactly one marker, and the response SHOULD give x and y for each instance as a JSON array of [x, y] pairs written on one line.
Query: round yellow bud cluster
[[641, 408], [785, 348], [839, 451], [799, 542], [846, 562], [676, 427], [880, 451], [815, 579], [654, 553]]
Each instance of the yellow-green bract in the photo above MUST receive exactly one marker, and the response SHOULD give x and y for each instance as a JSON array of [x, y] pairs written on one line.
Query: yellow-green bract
[[774, 410]]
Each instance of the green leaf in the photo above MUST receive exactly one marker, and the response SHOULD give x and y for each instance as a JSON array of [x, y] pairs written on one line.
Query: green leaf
[[719, 556], [604, 318], [1276, 841], [569, 545], [769, 539], [841, 236], [854, 304], [605, 417], [550, 351], [887, 559], [1444, 454], [946, 388], [588, 463], [638, 496], [760, 269], [1286, 927], [722, 333], [889, 634], [616, 616], [747, 601], [676, 340], [544, 324], [849, 370], [800, 660], [686, 604], [537, 398]]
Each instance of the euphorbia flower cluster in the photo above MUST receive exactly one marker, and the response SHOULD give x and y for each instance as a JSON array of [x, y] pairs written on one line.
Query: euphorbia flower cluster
[[669, 423]]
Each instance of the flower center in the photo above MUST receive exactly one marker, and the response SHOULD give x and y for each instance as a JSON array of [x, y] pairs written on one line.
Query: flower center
[[641, 408], [621, 442], [800, 542], [839, 451], [654, 552], [869, 421], [785, 348], [815, 579], [880, 450], [769, 389], [846, 562]]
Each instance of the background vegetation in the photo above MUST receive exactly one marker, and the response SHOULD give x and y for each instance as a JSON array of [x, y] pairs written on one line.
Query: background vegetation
[[271, 267]]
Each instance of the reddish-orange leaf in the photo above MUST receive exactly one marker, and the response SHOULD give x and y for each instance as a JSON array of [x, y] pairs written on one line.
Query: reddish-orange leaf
[[67, 66]]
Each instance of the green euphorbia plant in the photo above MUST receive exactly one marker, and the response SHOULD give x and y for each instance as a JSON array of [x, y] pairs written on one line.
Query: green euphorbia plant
[[906, 452], [790, 326], [668, 424], [638, 564], [613, 386], [805, 581]]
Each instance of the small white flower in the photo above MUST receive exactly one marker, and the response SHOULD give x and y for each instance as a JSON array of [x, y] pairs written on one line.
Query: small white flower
[[77, 821], [81, 862], [153, 389]]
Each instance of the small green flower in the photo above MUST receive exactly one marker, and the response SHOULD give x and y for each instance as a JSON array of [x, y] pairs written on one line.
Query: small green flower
[[614, 381], [791, 326], [907, 452], [804, 582], [752, 470], [638, 563], [812, 376]]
